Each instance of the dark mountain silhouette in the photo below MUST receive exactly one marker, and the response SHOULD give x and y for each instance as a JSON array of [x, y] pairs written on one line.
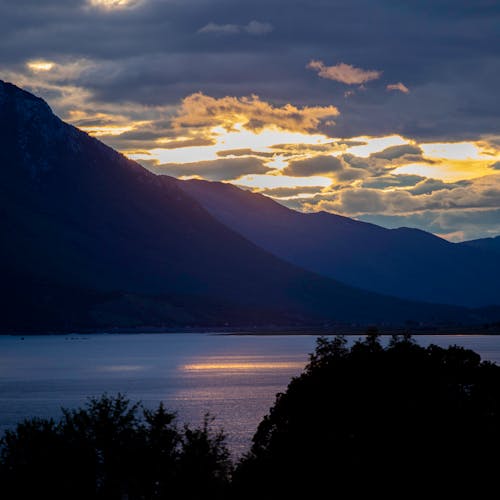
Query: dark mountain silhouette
[[92, 239], [403, 262], [488, 244]]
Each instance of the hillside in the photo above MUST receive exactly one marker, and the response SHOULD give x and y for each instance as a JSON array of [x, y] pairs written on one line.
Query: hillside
[[403, 262]]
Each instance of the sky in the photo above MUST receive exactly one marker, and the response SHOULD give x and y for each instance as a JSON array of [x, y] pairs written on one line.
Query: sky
[[380, 110]]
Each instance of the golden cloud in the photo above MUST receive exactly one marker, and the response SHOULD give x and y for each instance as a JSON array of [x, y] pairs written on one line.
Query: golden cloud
[[399, 87], [344, 73], [200, 110]]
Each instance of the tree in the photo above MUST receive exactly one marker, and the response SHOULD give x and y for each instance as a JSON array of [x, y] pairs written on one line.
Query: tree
[[113, 449], [367, 419]]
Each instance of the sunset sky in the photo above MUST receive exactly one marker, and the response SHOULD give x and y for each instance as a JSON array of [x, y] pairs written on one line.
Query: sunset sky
[[380, 110]]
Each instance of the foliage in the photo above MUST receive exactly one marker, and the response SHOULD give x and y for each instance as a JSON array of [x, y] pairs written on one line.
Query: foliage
[[112, 449], [374, 420]]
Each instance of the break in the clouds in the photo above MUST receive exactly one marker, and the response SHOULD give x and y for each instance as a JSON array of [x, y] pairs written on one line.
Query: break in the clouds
[[344, 73], [113, 4], [318, 104], [254, 28]]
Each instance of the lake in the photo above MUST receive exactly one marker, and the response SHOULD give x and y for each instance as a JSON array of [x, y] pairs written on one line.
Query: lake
[[233, 377]]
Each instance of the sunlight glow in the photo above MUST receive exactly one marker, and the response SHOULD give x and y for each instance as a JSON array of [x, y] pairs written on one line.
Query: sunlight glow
[[278, 162], [40, 65], [448, 171], [263, 140], [107, 130], [111, 4], [237, 138], [279, 181], [375, 144], [452, 151]]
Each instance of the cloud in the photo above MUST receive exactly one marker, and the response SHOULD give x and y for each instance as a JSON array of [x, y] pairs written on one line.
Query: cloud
[[254, 28], [427, 186], [40, 65], [395, 152], [290, 192], [400, 87], [479, 194], [200, 110], [344, 73], [216, 170], [221, 29], [391, 181], [326, 165], [314, 166], [244, 152], [113, 4]]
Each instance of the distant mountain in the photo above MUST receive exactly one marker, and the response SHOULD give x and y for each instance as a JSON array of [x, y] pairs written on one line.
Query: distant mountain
[[91, 239], [403, 262], [488, 244]]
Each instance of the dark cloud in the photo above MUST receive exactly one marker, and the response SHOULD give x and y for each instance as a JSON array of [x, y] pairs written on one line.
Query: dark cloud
[[215, 170], [427, 186], [314, 166], [244, 152], [395, 152], [389, 180], [330, 166], [152, 54], [288, 192], [254, 28]]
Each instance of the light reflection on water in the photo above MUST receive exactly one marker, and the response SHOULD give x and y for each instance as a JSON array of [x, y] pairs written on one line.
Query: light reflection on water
[[235, 378], [237, 363]]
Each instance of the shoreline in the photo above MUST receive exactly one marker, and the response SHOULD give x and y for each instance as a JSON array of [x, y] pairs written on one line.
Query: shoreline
[[351, 330]]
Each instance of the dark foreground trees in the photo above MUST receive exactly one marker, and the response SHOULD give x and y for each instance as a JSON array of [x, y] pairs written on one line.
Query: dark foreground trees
[[112, 449], [401, 421]]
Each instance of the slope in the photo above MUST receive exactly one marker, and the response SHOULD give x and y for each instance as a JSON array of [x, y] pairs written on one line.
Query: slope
[[403, 262]]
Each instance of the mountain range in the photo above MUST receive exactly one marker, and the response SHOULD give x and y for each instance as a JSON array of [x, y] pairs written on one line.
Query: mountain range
[[92, 240], [487, 244], [403, 262]]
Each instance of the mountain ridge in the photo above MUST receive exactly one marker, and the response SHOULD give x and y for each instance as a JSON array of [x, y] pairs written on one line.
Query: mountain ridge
[[404, 262], [487, 244]]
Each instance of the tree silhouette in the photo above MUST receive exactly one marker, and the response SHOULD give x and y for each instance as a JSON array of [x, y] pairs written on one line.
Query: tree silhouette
[[374, 420], [112, 449]]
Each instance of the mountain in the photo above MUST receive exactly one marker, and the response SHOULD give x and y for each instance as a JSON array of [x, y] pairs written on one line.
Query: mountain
[[403, 262], [487, 244], [91, 239]]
